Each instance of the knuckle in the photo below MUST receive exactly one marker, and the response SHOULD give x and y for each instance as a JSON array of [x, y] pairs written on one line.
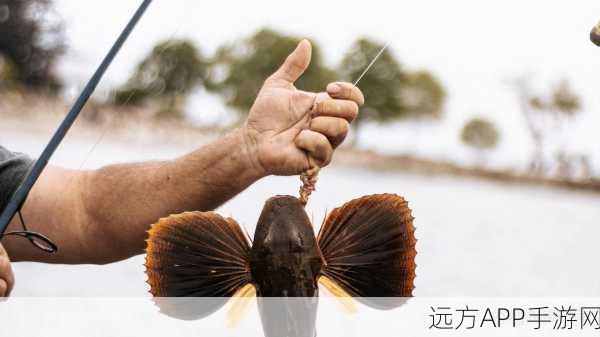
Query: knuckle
[[319, 108], [4, 263], [353, 110], [344, 126], [322, 146], [347, 90]]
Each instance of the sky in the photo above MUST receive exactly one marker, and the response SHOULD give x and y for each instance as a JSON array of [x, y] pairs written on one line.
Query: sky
[[476, 48]]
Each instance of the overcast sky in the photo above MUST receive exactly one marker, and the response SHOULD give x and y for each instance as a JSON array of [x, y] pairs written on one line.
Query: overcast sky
[[475, 48]]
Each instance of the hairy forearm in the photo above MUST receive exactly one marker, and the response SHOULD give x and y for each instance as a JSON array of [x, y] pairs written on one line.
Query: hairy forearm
[[122, 201], [117, 204]]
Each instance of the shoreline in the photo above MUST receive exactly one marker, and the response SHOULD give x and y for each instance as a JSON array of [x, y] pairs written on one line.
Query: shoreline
[[38, 116]]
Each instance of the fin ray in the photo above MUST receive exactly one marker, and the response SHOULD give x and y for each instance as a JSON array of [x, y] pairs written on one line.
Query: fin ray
[[368, 245], [195, 261]]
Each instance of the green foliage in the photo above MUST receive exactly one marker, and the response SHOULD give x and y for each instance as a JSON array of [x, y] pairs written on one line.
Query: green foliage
[[480, 134], [32, 38], [240, 69], [8, 73], [424, 95], [390, 91], [381, 85], [562, 101], [171, 70]]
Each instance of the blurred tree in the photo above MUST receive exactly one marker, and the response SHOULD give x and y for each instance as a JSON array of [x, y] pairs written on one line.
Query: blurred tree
[[545, 115], [171, 70], [480, 134], [382, 85], [240, 69], [562, 105], [390, 91], [529, 104], [564, 101], [8, 75], [31, 36], [423, 95]]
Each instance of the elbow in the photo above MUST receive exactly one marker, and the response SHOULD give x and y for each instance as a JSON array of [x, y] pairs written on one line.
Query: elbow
[[103, 235]]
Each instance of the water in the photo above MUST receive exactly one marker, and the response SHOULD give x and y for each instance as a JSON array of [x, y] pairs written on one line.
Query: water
[[476, 239]]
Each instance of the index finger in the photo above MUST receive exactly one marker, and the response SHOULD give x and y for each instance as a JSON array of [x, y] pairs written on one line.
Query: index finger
[[344, 90]]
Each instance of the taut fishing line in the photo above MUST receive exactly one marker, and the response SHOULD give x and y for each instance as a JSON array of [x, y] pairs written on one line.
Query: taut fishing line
[[309, 177]]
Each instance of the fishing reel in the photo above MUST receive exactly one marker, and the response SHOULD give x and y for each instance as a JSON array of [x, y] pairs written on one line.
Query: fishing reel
[[595, 35]]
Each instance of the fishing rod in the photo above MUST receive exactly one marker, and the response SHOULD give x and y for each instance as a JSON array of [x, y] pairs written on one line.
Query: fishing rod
[[18, 198]]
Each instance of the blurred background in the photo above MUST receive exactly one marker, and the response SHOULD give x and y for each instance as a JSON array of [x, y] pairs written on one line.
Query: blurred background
[[484, 115]]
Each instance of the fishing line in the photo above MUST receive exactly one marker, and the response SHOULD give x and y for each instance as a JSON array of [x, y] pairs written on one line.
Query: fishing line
[[371, 64], [106, 127], [18, 198], [310, 176]]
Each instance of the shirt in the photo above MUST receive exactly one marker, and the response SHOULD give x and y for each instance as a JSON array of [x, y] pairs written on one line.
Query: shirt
[[13, 169]]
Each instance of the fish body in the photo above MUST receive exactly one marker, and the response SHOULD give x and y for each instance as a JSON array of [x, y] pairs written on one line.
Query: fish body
[[285, 263]]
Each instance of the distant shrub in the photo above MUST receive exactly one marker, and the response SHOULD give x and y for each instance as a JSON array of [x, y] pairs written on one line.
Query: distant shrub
[[391, 91], [480, 134], [240, 69], [31, 37], [166, 75], [8, 73], [382, 85]]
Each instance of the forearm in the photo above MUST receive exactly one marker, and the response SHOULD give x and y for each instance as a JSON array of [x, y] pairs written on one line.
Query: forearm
[[119, 202], [123, 200]]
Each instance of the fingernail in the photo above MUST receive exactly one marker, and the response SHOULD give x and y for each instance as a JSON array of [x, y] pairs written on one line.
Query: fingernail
[[334, 88]]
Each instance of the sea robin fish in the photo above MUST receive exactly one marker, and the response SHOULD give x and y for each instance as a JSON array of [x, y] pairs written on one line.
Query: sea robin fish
[[196, 261]]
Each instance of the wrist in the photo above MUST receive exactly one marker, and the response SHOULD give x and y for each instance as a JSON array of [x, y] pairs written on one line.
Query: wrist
[[249, 152]]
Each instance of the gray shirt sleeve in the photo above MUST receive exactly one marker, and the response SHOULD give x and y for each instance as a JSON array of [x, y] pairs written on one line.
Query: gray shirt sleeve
[[13, 169]]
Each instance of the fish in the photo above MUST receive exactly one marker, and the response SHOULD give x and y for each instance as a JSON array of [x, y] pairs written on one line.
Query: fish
[[365, 250]]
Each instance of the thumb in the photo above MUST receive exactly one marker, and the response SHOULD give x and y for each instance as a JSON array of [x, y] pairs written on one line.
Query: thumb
[[295, 64]]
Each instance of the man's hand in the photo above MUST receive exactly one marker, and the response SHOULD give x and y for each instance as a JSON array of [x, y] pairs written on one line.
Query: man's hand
[[7, 279], [283, 129]]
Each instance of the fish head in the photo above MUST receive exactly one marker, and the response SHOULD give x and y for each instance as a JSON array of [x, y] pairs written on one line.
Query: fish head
[[285, 263]]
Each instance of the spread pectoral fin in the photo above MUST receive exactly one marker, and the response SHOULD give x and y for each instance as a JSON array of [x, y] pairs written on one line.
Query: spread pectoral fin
[[341, 298], [368, 246], [195, 262], [239, 305]]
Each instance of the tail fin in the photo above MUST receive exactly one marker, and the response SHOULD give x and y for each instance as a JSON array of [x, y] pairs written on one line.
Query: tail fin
[[369, 249], [195, 261]]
